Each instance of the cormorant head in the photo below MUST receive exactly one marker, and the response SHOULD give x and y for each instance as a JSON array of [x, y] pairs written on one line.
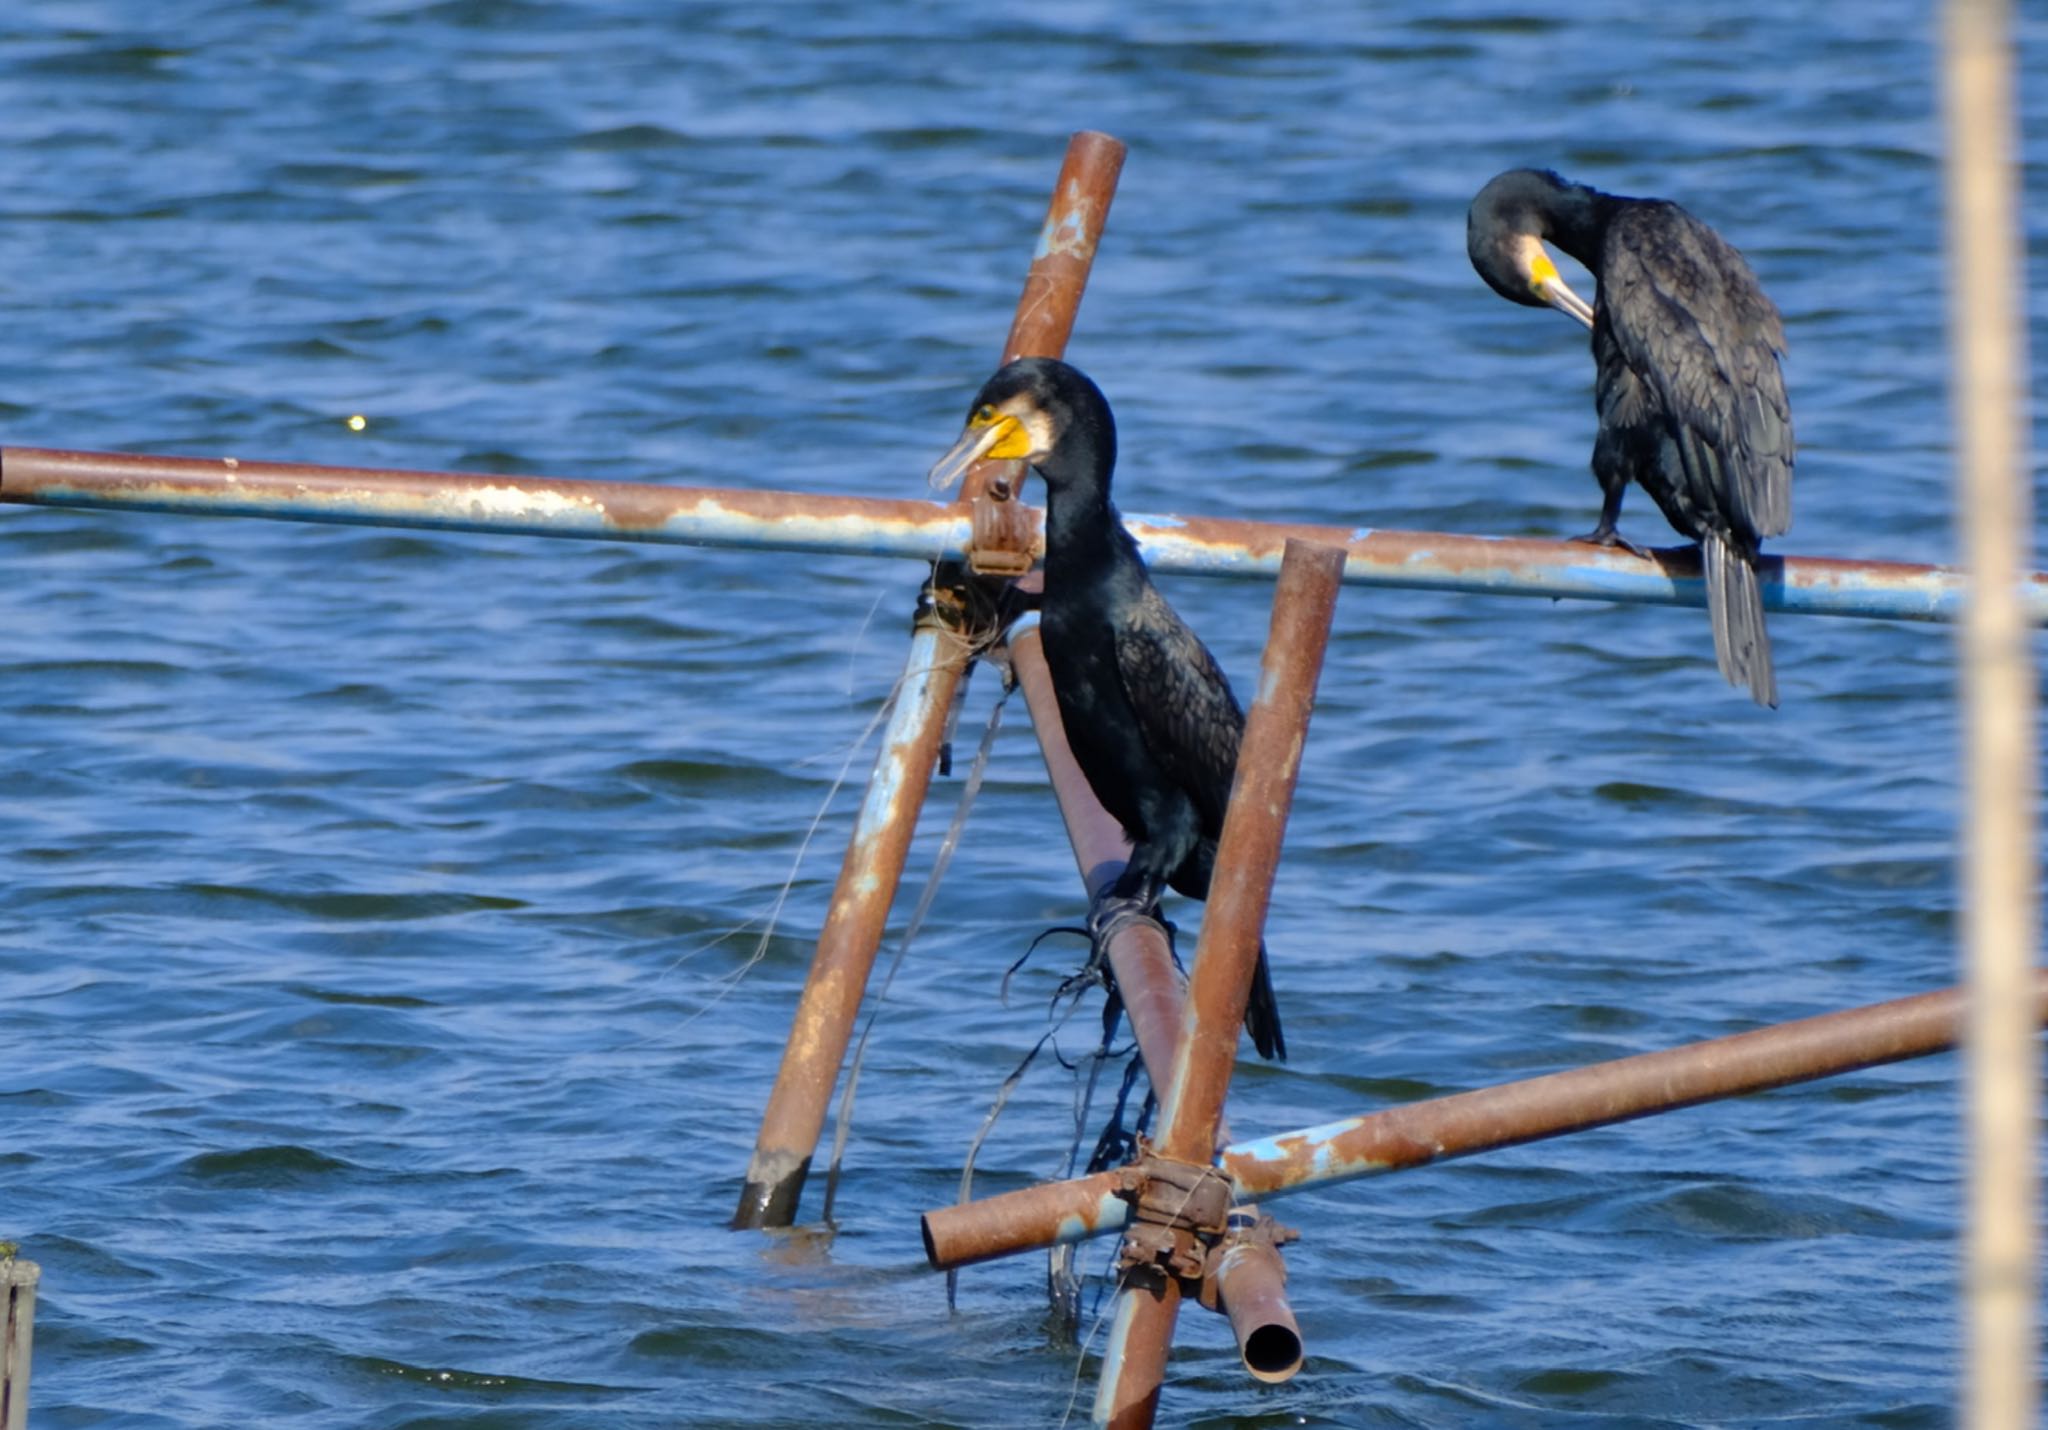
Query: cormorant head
[[1504, 233], [1041, 411]]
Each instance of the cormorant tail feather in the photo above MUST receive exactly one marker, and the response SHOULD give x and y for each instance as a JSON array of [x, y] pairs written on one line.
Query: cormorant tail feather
[[1262, 1013], [1742, 647]]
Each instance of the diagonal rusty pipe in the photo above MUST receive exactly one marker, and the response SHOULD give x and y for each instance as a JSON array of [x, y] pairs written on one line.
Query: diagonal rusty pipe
[[845, 956], [1140, 957], [854, 923], [1003, 531], [1250, 1277], [1482, 1120], [1247, 854]]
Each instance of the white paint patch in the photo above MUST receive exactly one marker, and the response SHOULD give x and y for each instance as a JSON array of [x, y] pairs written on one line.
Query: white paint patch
[[508, 503]]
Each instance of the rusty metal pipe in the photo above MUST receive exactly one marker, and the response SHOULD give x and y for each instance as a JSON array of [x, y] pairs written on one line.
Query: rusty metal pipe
[[1247, 855], [1251, 1282], [1048, 1214], [919, 530], [1074, 221], [1603, 1093], [1005, 531], [1100, 847], [1139, 954], [852, 934], [881, 840], [1134, 1357], [1248, 852], [1152, 987], [1486, 1119]]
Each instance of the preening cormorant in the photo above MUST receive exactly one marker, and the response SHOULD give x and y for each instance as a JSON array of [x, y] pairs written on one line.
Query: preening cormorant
[[1691, 400], [1148, 712]]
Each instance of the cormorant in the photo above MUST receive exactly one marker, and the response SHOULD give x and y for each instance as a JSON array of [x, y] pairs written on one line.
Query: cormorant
[[1692, 403], [1150, 716]]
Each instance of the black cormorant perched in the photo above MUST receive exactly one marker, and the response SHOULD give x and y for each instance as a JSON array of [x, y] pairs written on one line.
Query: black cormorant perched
[[1151, 719], [1692, 403]]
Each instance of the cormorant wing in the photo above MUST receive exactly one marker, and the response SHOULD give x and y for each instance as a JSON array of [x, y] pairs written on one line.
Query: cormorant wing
[[1690, 318], [1186, 713]]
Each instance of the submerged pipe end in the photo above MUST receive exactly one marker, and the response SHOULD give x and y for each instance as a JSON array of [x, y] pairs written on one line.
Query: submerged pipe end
[[774, 1185]]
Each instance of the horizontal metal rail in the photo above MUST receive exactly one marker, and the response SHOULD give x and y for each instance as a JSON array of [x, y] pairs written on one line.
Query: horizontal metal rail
[[866, 526]]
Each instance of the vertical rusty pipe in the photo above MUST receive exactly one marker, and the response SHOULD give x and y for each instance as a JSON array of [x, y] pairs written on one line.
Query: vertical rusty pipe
[[1140, 955], [1251, 1282], [853, 930], [17, 1338], [1247, 855], [881, 842]]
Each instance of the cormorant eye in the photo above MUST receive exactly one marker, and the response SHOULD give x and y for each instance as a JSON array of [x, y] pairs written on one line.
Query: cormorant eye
[[983, 415]]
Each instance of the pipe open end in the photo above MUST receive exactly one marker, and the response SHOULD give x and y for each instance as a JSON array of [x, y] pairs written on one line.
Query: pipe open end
[[1272, 1353]]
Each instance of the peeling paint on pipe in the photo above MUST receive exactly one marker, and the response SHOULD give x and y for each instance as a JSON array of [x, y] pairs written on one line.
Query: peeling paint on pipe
[[852, 934], [920, 530], [1490, 1118], [1604, 1093], [1247, 855], [940, 653]]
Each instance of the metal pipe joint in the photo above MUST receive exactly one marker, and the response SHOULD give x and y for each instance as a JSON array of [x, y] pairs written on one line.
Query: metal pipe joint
[[1179, 1212], [1183, 1225]]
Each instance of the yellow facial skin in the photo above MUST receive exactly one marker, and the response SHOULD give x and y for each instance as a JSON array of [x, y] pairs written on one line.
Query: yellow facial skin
[[1549, 285], [989, 434], [1011, 442]]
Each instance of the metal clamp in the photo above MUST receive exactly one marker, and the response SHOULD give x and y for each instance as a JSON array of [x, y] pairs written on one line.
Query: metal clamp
[[1180, 1209], [1005, 530]]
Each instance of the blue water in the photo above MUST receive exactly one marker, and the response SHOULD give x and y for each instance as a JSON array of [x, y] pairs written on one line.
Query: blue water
[[385, 1006]]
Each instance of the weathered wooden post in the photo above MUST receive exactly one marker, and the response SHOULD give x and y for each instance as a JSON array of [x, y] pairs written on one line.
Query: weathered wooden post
[[17, 1334]]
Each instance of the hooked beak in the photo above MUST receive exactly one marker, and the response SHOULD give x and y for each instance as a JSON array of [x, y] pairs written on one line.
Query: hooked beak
[[1547, 284], [1558, 294], [976, 443]]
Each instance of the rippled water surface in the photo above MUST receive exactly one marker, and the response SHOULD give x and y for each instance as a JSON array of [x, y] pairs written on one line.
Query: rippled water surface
[[380, 963]]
